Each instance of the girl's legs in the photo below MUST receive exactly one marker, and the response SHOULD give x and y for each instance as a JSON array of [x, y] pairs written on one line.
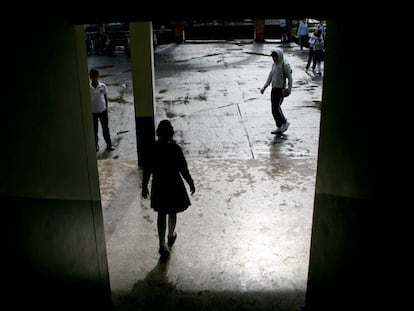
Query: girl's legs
[[172, 236], [172, 221], [161, 226]]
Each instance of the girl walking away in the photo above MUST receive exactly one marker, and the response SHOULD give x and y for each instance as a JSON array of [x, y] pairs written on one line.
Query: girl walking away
[[168, 167]]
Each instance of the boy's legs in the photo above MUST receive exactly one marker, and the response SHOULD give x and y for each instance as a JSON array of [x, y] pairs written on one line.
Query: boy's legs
[[276, 100], [303, 41], [310, 58], [95, 128], [103, 116]]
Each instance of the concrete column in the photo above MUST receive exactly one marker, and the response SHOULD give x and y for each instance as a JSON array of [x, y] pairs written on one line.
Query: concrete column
[[348, 257], [259, 25], [54, 250], [142, 62]]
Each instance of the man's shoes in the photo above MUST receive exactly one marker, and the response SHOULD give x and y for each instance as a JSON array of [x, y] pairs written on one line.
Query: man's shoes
[[164, 252], [110, 148], [284, 127], [172, 239], [277, 131]]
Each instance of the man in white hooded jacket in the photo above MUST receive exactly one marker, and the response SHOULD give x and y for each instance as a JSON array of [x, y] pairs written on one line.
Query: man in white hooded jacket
[[278, 75]]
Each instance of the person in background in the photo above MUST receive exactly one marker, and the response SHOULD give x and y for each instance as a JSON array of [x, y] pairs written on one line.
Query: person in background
[[283, 31], [168, 167], [303, 33], [318, 51], [322, 28], [99, 101], [278, 75], [312, 40], [100, 40]]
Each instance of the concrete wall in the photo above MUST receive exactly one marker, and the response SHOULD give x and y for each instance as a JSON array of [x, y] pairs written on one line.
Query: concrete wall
[[350, 214], [55, 253]]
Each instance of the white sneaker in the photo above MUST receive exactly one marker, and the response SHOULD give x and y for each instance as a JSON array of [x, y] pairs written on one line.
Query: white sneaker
[[277, 130], [284, 127]]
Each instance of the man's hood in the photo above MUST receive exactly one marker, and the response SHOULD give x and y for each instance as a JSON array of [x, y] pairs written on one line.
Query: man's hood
[[279, 52]]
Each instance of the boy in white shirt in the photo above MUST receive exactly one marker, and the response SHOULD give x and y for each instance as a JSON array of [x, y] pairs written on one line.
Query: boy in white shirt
[[99, 100]]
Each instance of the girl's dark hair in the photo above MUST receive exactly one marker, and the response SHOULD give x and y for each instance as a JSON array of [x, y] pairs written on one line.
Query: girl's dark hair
[[165, 130]]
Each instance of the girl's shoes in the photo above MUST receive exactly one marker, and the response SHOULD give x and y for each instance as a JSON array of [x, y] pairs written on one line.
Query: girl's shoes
[[164, 252]]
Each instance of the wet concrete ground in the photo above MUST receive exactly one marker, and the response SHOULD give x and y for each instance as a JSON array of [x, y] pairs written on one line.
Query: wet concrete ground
[[244, 243]]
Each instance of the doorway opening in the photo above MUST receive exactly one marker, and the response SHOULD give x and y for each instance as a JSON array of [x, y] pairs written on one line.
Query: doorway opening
[[246, 237]]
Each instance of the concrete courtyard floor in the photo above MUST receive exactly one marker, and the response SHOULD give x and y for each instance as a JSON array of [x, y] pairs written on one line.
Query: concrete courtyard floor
[[244, 243]]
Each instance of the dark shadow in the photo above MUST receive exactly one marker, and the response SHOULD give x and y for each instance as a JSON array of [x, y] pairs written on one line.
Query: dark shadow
[[105, 154], [311, 73], [152, 293], [156, 292], [279, 138]]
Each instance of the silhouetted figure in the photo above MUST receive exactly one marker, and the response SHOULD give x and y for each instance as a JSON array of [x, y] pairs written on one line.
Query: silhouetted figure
[[168, 167]]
